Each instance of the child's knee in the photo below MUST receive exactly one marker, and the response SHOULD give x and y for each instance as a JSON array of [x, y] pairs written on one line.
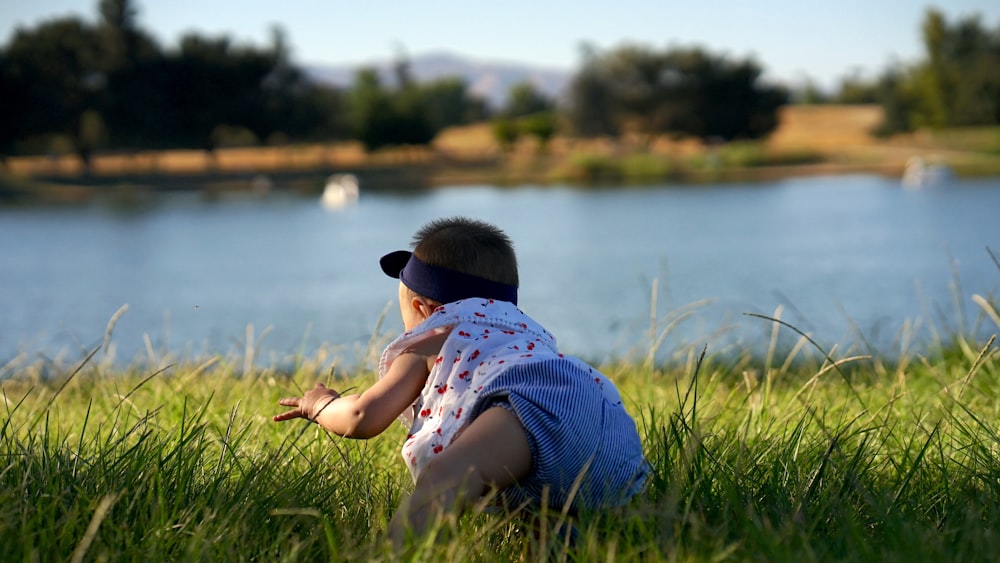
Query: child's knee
[[443, 477]]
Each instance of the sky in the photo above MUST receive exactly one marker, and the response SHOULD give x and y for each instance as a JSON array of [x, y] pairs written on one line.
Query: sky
[[794, 41]]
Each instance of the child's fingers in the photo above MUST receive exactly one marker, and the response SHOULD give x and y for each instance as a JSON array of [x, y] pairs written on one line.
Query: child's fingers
[[289, 401], [286, 416]]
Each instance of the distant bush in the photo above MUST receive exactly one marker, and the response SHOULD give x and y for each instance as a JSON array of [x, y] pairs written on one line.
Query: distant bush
[[586, 168], [743, 154], [643, 166], [506, 133], [229, 136], [790, 157], [49, 144], [541, 125], [974, 139], [748, 154]]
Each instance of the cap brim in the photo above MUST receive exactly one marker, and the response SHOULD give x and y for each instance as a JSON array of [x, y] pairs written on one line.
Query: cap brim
[[394, 262]]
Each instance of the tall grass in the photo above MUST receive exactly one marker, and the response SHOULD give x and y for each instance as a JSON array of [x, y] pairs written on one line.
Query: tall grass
[[795, 456]]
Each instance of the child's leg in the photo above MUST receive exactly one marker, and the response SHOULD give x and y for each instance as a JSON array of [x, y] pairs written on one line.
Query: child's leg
[[492, 452]]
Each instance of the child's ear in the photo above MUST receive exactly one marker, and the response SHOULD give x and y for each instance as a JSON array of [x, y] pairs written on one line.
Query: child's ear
[[422, 306]]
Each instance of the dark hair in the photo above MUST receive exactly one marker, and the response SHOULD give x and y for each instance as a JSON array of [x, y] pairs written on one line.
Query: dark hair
[[468, 246]]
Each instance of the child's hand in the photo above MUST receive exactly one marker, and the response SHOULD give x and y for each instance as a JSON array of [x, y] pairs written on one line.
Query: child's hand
[[308, 406]]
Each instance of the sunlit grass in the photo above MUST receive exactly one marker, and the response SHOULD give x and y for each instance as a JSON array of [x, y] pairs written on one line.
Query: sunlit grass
[[801, 455], [984, 139]]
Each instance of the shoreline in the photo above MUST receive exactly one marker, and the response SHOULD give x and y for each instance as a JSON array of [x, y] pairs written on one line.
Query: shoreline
[[70, 190], [64, 189], [810, 141]]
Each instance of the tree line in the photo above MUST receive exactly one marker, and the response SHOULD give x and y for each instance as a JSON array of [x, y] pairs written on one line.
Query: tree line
[[67, 85], [955, 84]]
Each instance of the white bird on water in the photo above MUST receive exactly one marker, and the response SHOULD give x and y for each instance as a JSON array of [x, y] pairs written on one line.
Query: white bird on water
[[340, 190], [920, 173]]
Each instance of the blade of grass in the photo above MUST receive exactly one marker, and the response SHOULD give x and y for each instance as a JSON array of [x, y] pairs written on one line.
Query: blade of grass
[[975, 367], [987, 308], [821, 351], [95, 523], [996, 261], [63, 386], [912, 471], [110, 328], [141, 383]]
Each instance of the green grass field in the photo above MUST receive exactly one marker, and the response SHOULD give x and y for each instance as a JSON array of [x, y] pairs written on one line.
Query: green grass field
[[801, 455]]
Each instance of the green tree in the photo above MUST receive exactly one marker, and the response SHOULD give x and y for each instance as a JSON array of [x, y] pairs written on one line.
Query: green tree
[[212, 82], [542, 126], [329, 106], [110, 85], [124, 41], [957, 84], [447, 102], [730, 102], [855, 89], [506, 132], [411, 113], [294, 106], [934, 78], [646, 96], [370, 109], [897, 99], [679, 92], [408, 123], [525, 99], [51, 77], [809, 94], [132, 105], [974, 73], [590, 112]]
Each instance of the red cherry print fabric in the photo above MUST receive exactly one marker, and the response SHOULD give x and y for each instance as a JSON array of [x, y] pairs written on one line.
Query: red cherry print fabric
[[484, 338]]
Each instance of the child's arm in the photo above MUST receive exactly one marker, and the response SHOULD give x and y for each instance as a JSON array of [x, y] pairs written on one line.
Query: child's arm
[[370, 413]]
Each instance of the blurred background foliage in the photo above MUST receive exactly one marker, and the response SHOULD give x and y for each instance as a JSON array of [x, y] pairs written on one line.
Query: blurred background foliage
[[70, 86]]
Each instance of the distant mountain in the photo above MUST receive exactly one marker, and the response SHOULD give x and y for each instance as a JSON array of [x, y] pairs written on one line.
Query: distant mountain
[[490, 80]]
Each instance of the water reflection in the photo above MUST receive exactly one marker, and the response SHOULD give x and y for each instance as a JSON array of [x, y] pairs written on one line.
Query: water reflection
[[843, 257]]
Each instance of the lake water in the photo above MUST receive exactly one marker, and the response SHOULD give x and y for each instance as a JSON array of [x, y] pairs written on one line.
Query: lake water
[[846, 258]]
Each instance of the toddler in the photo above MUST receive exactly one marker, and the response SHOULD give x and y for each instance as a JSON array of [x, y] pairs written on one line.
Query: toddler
[[491, 404]]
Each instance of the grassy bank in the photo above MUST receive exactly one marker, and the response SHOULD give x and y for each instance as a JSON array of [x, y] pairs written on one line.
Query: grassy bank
[[805, 456]]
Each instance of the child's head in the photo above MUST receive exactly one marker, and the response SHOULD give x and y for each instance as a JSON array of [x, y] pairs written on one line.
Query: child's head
[[468, 246], [454, 258]]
